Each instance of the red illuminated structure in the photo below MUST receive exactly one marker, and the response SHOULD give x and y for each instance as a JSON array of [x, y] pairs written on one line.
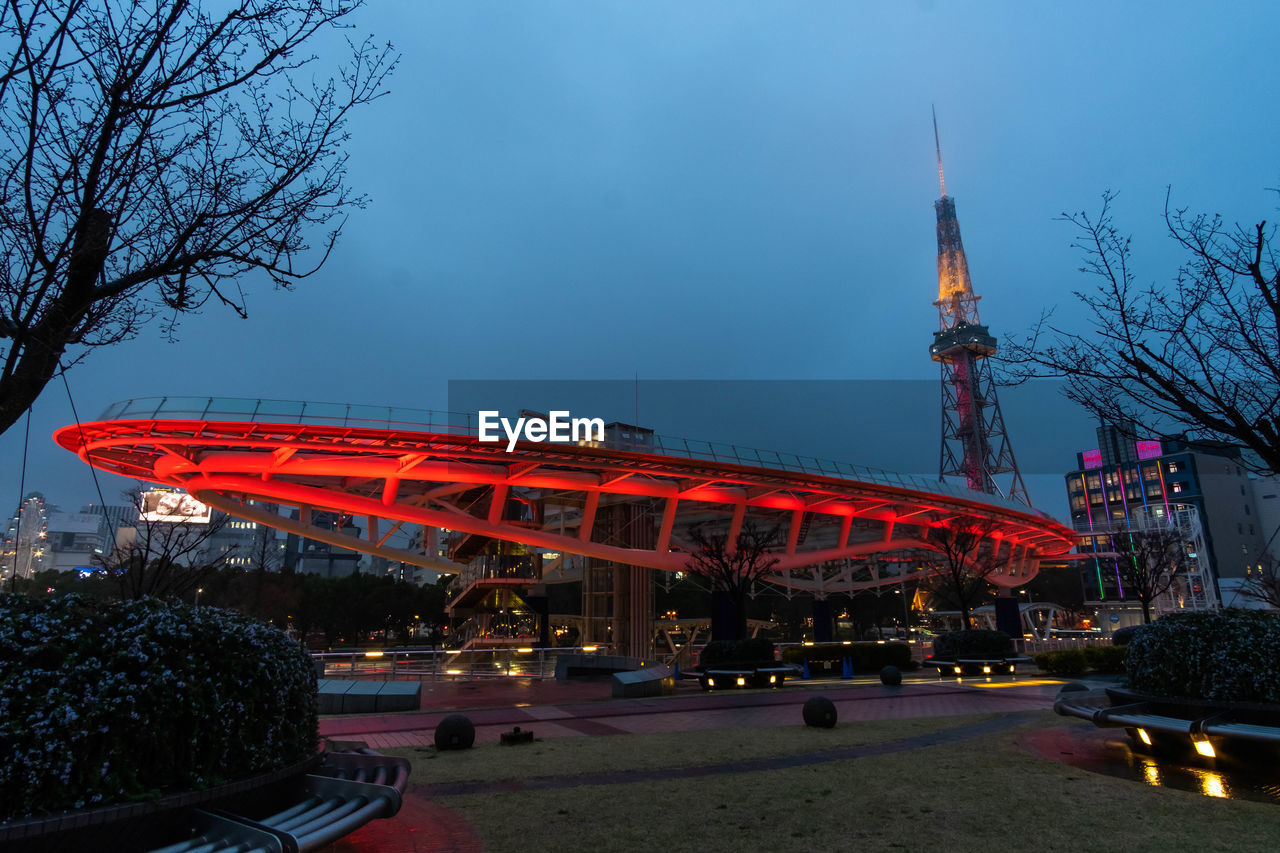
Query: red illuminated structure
[[975, 445], [423, 469]]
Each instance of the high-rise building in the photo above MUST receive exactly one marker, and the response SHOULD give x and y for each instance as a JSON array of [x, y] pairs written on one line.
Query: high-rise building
[[1129, 483], [26, 539]]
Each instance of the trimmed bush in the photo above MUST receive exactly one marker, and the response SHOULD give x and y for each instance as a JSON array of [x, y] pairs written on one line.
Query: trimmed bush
[[1106, 659], [1228, 656], [1124, 636], [1064, 662], [103, 703], [972, 644], [736, 652], [866, 657]]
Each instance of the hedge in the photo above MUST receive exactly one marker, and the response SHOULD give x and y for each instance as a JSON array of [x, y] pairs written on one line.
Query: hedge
[[972, 644], [1123, 636], [1063, 662], [1229, 656], [103, 703], [866, 657], [750, 652], [1106, 659]]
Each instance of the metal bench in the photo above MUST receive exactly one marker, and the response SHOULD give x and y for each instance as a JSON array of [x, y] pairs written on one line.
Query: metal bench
[[347, 791]]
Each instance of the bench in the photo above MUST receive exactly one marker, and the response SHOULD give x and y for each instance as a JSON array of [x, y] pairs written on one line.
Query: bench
[[646, 681], [367, 697], [587, 665], [766, 675], [978, 666]]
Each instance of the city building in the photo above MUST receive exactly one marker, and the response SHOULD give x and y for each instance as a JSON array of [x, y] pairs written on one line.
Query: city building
[[25, 540], [1128, 483], [310, 556]]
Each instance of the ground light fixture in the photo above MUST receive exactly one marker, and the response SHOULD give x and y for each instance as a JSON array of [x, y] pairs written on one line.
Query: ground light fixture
[[1203, 747]]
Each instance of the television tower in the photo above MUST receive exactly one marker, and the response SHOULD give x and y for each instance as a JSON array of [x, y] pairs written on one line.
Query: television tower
[[974, 442]]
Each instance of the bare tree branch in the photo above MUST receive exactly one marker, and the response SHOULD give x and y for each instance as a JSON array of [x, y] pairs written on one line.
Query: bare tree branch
[[153, 154], [1199, 356]]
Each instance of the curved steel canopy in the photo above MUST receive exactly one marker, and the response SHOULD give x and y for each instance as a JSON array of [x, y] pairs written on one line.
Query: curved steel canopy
[[434, 472]]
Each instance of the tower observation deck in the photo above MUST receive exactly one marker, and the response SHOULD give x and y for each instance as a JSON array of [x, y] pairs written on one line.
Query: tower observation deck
[[975, 445]]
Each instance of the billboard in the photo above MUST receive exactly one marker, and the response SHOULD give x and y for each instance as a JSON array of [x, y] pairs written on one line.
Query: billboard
[[1149, 449], [1091, 458], [173, 507]]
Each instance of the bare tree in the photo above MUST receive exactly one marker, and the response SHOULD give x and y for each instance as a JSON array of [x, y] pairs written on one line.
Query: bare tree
[[1148, 561], [163, 559], [1200, 355], [154, 153], [966, 556], [1262, 583], [733, 568]]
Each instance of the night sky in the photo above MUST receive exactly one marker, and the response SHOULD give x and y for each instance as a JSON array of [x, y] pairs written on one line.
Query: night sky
[[721, 190]]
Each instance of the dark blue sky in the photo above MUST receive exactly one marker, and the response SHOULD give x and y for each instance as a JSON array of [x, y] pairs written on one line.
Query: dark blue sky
[[737, 190]]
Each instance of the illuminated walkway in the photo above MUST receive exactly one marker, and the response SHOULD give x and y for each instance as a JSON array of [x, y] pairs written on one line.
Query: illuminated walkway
[[575, 715]]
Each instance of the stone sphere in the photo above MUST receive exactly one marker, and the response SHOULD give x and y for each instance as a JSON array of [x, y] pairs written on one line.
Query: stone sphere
[[891, 676], [820, 712], [455, 732], [1073, 687]]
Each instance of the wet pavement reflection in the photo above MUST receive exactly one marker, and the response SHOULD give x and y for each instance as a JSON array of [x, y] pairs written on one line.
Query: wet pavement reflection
[[1108, 751]]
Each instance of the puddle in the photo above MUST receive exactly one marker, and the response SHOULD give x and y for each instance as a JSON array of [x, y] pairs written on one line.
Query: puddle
[[1107, 751]]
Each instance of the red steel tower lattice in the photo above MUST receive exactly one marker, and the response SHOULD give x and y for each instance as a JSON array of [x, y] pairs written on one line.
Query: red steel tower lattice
[[975, 444]]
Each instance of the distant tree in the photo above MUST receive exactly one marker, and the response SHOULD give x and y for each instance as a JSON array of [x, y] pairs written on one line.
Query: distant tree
[[1148, 561], [153, 153], [1262, 584], [732, 570], [1200, 355], [964, 561], [162, 559], [1262, 581]]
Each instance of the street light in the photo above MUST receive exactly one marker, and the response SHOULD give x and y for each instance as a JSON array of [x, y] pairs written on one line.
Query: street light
[[199, 590]]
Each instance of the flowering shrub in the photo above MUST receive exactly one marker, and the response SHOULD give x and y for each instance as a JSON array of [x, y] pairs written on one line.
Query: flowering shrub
[[101, 703], [1231, 655]]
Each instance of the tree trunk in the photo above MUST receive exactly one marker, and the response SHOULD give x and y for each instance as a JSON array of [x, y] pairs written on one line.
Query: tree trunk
[[42, 345]]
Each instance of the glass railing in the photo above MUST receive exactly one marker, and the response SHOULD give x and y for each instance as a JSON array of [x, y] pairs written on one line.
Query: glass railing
[[463, 423]]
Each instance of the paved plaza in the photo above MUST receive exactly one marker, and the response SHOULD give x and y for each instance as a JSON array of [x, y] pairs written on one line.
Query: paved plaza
[[585, 709]]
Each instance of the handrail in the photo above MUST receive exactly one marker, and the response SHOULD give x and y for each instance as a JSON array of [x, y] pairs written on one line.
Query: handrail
[[464, 423]]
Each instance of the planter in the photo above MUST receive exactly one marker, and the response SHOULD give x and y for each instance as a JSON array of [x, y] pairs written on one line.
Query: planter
[[975, 666], [741, 677]]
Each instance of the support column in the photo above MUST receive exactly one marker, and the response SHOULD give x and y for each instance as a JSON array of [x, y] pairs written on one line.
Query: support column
[[822, 626]]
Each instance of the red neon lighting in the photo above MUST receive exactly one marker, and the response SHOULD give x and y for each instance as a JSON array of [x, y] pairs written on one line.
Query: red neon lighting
[[409, 477]]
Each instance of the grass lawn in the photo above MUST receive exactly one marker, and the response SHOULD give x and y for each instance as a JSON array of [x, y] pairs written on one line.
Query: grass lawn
[[982, 794], [570, 756]]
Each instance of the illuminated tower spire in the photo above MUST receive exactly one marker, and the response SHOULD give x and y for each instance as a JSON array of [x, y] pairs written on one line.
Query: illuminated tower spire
[[937, 146], [974, 443]]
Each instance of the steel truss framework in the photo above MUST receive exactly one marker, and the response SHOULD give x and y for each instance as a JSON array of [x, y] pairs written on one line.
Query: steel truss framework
[[547, 496]]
